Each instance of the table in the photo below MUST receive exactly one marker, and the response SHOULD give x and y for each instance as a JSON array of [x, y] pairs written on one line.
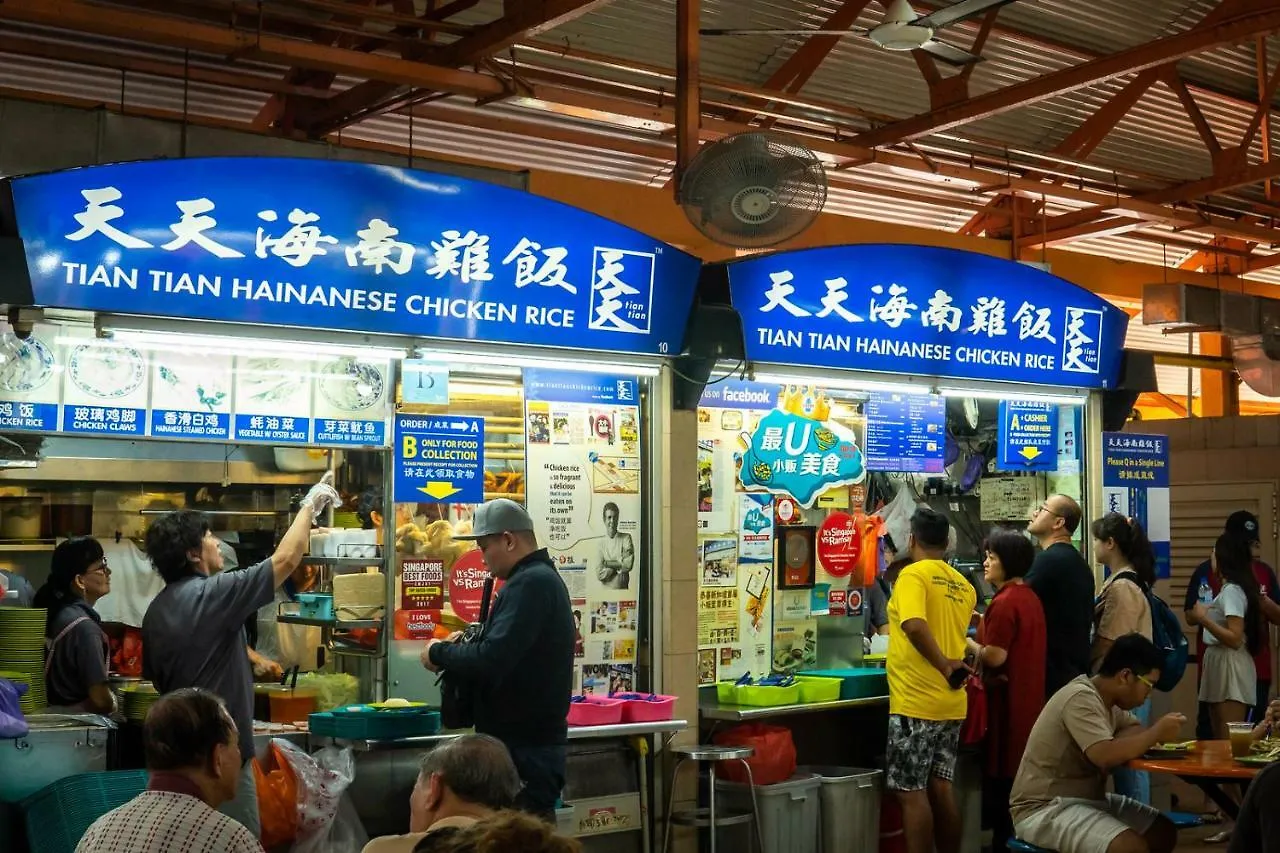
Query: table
[[739, 713], [1207, 766]]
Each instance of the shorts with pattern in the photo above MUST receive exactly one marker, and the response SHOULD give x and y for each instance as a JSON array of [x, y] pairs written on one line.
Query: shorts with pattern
[[919, 749]]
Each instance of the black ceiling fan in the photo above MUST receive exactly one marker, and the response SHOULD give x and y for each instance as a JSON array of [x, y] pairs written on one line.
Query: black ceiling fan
[[902, 29]]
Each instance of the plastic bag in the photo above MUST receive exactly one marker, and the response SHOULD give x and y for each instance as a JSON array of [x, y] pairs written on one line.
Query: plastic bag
[[774, 759], [277, 797], [12, 721], [326, 820], [974, 728]]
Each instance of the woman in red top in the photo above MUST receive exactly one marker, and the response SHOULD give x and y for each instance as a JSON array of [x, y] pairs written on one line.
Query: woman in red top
[[1011, 650]]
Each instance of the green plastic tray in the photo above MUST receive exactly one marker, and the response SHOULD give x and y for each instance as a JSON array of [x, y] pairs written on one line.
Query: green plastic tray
[[375, 724], [59, 814], [815, 689]]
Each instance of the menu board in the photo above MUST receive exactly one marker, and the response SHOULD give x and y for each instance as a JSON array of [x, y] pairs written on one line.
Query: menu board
[[68, 381], [582, 445], [906, 433]]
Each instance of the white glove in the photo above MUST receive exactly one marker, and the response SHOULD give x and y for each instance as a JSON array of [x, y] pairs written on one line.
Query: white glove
[[321, 496]]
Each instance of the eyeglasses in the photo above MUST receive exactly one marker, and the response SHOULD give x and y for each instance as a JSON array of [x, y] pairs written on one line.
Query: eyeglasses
[[1150, 684], [1045, 508], [101, 568]]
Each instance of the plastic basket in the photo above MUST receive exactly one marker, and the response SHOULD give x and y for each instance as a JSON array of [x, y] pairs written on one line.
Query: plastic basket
[[374, 724], [767, 696], [595, 711], [59, 814], [315, 605], [639, 708], [814, 689], [727, 692], [866, 683]]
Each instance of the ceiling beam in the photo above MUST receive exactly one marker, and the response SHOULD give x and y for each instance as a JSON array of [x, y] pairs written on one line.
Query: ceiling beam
[[532, 17], [1174, 81], [1162, 51], [688, 88], [224, 41]]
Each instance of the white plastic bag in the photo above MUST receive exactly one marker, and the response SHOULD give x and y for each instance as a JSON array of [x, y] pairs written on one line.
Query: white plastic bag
[[327, 821]]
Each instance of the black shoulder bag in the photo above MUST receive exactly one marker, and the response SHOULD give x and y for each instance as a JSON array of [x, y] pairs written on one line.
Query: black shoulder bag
[[457, 696]]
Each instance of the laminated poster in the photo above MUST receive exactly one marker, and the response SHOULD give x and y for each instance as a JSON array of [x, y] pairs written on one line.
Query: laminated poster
[[718, 565], [583, 477], [795, 645]]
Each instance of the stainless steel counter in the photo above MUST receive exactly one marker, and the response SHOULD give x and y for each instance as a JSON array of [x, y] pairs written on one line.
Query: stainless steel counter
[[575, 733], [738, 713]]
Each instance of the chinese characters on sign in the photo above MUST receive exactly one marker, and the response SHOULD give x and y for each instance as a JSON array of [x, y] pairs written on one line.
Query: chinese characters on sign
[[1027, 433], [425, 254], [1135, 483], [925, 311], [906, 432], [439, 459]]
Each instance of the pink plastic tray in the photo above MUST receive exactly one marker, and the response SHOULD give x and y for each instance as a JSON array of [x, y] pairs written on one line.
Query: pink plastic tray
[[646, 711], [595, 711]]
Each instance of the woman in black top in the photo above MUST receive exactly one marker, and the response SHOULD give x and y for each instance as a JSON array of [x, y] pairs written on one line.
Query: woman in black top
[[78, 651]]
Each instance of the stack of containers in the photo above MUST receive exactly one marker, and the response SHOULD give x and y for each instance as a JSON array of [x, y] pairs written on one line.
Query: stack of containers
[[22, 654]]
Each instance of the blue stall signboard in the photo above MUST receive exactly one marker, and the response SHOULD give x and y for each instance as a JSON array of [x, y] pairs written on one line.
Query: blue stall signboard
[[170, 423], [104, 420], [926, 311], [351, 246], [906, 432], [1027, 436], [277, 429], [348, 433], [439, 459], [563, 386], [1135, 483]]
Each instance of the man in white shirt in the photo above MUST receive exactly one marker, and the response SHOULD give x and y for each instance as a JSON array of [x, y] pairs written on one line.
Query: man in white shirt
[[617, 552], [461, 781], [193, 755]]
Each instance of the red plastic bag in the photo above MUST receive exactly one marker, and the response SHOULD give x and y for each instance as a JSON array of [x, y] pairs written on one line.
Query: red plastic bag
[[774, 760], [975, 720], [277, 799]]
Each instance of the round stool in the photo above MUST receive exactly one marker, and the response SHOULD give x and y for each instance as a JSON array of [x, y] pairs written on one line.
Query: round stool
[[708, 817]]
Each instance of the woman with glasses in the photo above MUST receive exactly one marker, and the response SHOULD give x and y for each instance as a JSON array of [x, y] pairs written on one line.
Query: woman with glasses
[[1234, 628], [77, 649]]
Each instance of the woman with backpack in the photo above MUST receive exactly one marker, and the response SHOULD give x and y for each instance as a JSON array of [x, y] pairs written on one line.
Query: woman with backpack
[[1122, 607], [1234, 628]]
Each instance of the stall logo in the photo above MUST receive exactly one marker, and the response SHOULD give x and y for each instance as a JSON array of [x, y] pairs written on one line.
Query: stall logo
[[795, 452], [1081, 342], [622, 290]]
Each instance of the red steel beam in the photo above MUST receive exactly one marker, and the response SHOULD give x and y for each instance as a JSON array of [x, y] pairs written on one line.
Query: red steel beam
[[1170, 49], [1175, 82], [688, 87]]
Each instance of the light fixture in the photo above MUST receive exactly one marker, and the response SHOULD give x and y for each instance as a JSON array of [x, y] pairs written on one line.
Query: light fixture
[[231, 345], [1017, 396], [580, 363], [484, 389], [842, 383]]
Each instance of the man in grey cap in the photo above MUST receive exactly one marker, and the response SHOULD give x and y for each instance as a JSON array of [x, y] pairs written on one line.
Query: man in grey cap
[[521, 667]]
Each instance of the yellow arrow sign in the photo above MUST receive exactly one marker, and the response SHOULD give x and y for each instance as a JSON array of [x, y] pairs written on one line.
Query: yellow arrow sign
[[1029, 453], [439, 489]]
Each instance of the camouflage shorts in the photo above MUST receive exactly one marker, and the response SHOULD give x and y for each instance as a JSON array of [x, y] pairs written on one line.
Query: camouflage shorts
[[919, 749]]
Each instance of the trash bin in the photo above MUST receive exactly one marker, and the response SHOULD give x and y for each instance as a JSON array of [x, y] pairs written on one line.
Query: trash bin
[[850, 799], [789, 811]]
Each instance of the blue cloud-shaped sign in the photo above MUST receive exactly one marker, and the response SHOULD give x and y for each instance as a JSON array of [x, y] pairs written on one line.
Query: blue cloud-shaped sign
[[800, 457]]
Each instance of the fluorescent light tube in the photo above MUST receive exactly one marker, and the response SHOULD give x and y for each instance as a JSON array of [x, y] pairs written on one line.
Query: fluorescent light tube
[[1030, 397], [231, 345], [583, 362]]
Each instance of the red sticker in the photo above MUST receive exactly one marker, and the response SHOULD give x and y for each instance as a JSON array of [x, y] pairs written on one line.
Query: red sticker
[[855, 602], [839, 545], [418, 625], [466, 585], [785, 510], [836, 601]]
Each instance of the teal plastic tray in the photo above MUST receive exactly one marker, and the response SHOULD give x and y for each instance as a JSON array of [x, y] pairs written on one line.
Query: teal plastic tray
[[375, 724], [855, 683], [58, 815]]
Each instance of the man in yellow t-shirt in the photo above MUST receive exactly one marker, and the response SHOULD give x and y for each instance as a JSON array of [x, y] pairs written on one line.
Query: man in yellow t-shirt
[[929, 615]]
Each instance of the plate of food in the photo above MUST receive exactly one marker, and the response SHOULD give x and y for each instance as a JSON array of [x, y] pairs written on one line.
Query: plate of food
[[1262, 752], [1171, 750], [351, 385]]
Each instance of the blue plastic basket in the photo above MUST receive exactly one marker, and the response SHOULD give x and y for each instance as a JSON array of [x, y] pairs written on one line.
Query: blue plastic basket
[[375, 724], [59, 814]]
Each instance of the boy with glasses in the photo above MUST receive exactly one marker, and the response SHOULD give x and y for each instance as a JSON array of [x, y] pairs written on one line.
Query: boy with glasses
[[1060, 798]]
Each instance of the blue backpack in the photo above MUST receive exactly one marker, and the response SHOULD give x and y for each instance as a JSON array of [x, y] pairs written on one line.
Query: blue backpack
[[1166, 633]]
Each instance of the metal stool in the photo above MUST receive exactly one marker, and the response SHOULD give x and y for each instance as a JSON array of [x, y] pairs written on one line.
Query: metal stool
[[699, 817]]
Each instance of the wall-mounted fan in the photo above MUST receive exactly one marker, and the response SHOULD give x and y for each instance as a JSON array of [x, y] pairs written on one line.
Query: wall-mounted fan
[[752, 190], [902, 29]]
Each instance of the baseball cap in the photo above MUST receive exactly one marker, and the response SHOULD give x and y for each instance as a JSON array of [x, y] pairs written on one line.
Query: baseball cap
[[1244, 525], [498, 516]]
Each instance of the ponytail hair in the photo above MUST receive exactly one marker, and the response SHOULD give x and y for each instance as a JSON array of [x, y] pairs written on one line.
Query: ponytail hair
[[70, 560], [1235, 564], [1132, 541]]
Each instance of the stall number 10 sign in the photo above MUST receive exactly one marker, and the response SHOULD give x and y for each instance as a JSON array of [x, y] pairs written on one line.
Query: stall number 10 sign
[[439, 459]]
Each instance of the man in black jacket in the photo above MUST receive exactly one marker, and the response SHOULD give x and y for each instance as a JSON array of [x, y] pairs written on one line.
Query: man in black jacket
[[521, 667]]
